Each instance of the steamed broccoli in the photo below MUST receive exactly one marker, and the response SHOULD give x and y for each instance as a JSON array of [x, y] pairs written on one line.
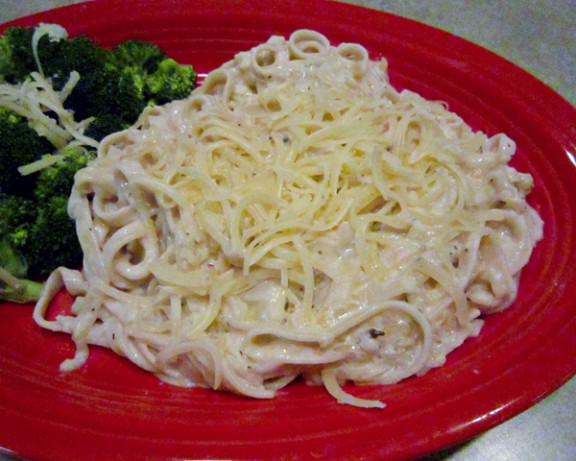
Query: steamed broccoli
[[36, 233], [137, 55], [52, 239], [16, 214], [159, 78], [109, 95], [135, 74], [170, 81], [19, 145], [14, 284], [106, 88], [156, 77], [58, 178], [16, 57], [104, 125], [115, 84], [38, 230], [49, 235], [61, 57]]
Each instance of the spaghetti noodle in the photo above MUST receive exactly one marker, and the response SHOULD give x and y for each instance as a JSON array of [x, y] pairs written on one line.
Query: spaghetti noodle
[[295, 216]]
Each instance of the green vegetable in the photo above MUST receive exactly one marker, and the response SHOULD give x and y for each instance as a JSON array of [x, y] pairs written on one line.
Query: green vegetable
[[60, 58], [154, 76], [169, 82], [15, 215], [16, 56], [57, 179], [94, 92], [52, 239], [38, 230], [135, 74], [110, 97], [19, 145], [36, 233], [137, 55], [115, 84], [14, 289]]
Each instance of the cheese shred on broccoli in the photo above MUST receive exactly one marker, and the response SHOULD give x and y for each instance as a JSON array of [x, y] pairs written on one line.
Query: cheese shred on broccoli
[[59, 96]]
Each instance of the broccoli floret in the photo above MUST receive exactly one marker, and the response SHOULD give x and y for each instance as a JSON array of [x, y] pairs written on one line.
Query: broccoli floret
[[19, 145], [52, 240], [114, 87], [137, 54], [159, 78], [58, 178], [60, 58], [170, 81], [135, 74], [16, 57], [36, 237], [12, 260], [36, 234], [16, 216], [105, 124], [14, 286], [110, 94]]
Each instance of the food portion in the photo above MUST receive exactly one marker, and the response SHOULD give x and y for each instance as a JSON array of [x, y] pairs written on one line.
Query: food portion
[[295, 216], [59, 97]]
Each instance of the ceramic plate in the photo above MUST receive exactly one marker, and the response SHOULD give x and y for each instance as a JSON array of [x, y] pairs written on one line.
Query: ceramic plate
[[111, 410]]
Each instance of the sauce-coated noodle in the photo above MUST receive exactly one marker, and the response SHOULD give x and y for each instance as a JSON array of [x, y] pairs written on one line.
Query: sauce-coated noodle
[[295, 216]]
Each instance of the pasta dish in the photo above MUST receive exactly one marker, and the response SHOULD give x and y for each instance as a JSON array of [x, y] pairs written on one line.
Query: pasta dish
[[295, 217]]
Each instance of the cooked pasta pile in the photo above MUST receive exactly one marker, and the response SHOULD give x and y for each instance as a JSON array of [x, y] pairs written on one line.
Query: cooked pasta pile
[[296, 216]]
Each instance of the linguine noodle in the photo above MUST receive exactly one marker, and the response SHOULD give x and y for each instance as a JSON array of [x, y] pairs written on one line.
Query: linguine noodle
[[296, 216]]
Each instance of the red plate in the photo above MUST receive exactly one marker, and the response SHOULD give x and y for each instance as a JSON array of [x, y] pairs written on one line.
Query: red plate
[[111, 410]]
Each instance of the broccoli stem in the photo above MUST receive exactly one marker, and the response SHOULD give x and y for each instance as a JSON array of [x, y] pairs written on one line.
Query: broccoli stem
[[17, 290]]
